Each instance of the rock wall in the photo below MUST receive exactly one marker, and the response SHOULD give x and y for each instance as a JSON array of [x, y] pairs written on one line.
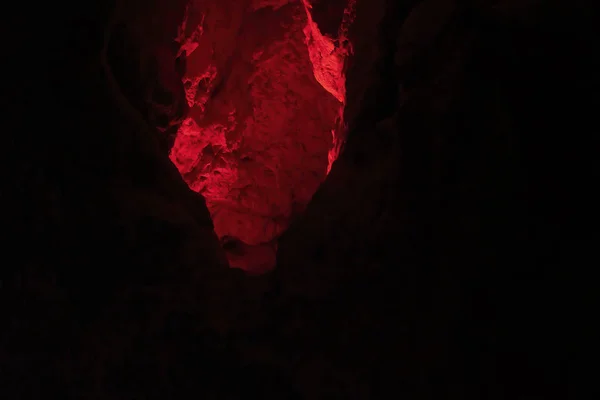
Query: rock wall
[[266, 92], [441, 247], [439, 258]]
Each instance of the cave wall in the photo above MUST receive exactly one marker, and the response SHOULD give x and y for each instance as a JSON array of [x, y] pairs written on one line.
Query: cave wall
[[109, 257], [266, 92], [256, 139], [439, 259], [144, 58], [462, 210]]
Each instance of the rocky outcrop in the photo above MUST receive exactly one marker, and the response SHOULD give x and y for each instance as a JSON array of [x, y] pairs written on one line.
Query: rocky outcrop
[[438, 258], [422, 246], [262, 114]]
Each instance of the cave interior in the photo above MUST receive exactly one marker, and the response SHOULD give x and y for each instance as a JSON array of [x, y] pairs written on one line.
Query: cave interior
[[303, 199]]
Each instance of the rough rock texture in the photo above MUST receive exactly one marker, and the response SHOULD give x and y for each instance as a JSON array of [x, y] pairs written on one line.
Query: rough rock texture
[[266, 92], [110, 260], [442, 257], [465, 195]]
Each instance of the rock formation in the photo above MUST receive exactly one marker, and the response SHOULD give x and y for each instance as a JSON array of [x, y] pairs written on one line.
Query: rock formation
[[405, 190]]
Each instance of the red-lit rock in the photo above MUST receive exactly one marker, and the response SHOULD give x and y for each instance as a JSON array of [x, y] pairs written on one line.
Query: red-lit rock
[[266, 93]]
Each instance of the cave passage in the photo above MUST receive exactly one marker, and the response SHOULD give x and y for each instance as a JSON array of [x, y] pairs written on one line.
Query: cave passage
[[266, 94]]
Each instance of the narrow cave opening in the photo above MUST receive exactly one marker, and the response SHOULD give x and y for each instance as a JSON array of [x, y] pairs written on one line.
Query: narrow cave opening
[[265, 87]]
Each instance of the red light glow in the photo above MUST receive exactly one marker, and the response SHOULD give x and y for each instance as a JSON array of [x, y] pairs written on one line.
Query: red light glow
[[266, 92]]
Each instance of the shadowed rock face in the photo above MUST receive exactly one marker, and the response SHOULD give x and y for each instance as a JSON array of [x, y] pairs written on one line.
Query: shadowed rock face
[[437, 259]]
